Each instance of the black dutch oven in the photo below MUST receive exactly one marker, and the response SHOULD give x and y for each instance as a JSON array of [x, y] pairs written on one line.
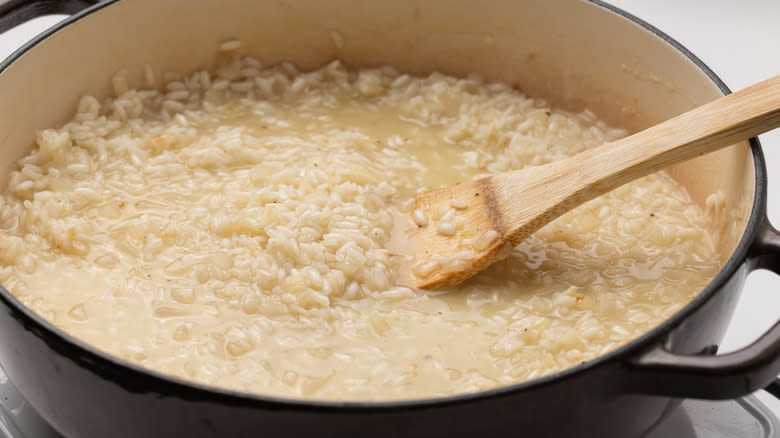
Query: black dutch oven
[[576, 53]]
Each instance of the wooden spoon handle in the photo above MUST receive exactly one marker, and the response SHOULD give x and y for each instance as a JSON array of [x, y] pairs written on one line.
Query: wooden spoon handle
[[723, 122], [561, 186]]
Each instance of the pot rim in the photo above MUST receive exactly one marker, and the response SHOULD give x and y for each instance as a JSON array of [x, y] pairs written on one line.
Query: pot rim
[[131, 374]]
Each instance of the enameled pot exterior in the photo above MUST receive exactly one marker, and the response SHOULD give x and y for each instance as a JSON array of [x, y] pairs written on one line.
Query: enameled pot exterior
[[537, 45]]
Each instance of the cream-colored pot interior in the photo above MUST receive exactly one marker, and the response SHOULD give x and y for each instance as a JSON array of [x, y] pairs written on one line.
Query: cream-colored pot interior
[[574, 53]]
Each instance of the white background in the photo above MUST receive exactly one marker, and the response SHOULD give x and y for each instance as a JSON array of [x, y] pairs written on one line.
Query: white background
[[740, 41]]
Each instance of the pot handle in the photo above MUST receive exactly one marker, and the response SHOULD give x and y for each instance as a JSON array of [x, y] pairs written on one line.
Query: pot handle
[[16, 12], [706, 375]]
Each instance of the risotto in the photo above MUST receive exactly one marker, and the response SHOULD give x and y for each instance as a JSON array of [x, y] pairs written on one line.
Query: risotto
[[231, 230]]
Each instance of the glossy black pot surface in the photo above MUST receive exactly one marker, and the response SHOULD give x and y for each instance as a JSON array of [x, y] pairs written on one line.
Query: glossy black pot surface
[[83, 392]]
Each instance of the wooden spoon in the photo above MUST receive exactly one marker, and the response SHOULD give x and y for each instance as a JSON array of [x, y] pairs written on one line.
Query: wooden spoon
[[500, 211]]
